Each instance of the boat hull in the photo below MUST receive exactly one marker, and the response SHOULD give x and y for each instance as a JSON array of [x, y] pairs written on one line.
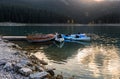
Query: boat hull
[[40, 41], [59, 38], [78, 39], [74, 38], [40, 38]]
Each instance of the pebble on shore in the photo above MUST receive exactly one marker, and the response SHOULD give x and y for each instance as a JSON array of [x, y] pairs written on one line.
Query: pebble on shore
[[15, 64]]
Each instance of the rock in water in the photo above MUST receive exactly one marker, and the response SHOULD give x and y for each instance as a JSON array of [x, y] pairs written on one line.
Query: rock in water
[[18, 66], [59, 77], [8, 66], [43, 62], [39, 68], [51, 72], [16, 53], [38, 75], [24, 62], [3, 62], [25, 71], [21, 64]]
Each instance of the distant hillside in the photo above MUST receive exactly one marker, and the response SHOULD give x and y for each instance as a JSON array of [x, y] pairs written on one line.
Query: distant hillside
[[113, 18], [30, 15], [57, 11]]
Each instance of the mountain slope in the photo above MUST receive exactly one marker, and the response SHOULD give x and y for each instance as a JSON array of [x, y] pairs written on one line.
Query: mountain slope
[[82, 11]]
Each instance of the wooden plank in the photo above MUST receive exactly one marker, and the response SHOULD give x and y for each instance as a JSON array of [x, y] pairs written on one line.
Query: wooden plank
[[14, 37]]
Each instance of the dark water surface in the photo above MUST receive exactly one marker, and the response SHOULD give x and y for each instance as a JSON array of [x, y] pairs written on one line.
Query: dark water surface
[[98, 59]]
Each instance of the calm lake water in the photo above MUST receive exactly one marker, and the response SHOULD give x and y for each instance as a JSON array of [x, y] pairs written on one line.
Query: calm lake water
[[97, 59]]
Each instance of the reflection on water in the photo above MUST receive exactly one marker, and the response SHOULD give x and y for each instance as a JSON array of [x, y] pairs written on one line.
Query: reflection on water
[[61, 54], [84, 62], [100, 59]]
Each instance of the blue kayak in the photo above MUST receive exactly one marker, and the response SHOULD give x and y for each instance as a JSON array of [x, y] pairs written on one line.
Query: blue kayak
[[77, 37]]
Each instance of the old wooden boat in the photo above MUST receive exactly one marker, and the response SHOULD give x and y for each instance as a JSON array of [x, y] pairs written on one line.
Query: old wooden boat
[[40, 37]]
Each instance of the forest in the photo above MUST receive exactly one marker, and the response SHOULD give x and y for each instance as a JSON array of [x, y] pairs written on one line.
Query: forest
[[24, 14], [29, 15], [113, 18]]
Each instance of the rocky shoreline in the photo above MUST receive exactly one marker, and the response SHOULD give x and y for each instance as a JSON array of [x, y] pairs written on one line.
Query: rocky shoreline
[[15, 64]]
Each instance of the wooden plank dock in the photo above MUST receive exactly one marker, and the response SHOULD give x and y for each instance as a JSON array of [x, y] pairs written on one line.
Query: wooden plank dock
[[14, 38]]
